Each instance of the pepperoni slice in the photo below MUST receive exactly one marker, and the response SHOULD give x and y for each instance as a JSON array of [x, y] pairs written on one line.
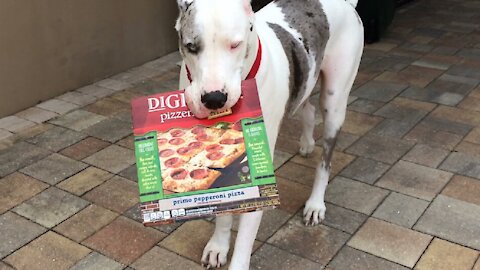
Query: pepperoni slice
[[198, 130], [195, 145], [239, 140], [162, 141], [202, 137], [179, 174], [237, 126], [174, 163], [177, 141], [166, 153], [215, 155], [227, 141], [183, 150], [199, 174], [177, 133], [214, 148]]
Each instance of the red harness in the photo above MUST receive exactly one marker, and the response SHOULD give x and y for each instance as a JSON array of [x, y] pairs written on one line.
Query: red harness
[[253, 71]]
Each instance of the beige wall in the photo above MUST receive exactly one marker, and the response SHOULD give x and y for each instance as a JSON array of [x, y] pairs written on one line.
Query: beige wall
[[48, 47]]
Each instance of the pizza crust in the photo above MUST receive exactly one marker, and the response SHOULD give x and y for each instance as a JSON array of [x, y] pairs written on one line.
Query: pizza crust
[[189, 184]]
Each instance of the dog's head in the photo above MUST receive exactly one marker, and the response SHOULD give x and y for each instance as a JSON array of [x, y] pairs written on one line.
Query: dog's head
[[213, 37]]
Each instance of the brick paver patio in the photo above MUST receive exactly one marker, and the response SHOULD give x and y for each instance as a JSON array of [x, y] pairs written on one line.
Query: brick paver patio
[[405, 193]]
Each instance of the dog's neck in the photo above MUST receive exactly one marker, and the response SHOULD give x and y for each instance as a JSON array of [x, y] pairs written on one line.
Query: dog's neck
[[252, 44]]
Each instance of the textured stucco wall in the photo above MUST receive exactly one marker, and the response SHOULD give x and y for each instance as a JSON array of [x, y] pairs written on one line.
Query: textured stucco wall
[[48, 47]]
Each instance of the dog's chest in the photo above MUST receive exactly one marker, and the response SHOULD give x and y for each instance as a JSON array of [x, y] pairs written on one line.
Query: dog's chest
[[302, 28]]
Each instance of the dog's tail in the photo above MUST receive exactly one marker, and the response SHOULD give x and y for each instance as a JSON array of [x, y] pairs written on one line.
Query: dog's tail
[[353, 2]]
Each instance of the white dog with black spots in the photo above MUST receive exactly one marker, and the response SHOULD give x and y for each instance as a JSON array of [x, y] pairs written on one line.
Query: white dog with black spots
[[302, 42]]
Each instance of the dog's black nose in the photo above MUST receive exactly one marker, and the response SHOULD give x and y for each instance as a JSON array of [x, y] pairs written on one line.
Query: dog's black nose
[[214, 100]]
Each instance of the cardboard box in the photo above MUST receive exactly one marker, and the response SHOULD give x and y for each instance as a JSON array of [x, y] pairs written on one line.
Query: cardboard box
[[191, 168]]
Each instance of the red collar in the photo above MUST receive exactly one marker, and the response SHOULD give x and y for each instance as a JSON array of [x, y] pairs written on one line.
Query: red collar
[[253, 71]]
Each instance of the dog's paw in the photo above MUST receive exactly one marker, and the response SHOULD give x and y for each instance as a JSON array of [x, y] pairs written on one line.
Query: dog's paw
[[314, 212], [215, 253], [306, 147]]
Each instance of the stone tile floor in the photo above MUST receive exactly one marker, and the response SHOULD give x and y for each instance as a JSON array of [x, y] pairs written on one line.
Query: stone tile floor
[[405, 193]]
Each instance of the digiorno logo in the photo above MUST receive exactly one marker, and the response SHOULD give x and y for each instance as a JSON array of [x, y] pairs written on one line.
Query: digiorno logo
[[173, 101]]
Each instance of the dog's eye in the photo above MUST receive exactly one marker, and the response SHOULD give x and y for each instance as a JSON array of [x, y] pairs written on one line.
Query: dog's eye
[[192, 48], [235, 45]]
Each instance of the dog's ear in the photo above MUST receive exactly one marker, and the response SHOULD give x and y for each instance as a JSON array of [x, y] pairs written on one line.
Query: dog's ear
[[247, 5], [183, 5]]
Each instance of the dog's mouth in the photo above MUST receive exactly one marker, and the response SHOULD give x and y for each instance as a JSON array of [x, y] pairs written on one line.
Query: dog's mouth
[[198, 109], [201, 108], [211, 114]]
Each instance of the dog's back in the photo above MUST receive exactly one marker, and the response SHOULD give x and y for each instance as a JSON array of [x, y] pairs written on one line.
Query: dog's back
[[304, 30]]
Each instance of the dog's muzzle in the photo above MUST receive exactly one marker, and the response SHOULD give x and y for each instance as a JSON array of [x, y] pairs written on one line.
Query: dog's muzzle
[[214, 100]]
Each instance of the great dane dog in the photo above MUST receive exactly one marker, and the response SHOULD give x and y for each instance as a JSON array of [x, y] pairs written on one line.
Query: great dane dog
[[298, 42]]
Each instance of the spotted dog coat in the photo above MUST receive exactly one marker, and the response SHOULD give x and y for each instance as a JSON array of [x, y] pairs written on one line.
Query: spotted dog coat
[[304, 51], [303, 41]]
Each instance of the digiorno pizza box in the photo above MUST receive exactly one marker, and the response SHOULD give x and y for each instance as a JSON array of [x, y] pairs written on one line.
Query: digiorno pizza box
[[190, 168]]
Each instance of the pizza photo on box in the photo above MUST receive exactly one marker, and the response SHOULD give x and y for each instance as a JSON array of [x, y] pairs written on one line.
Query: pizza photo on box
[[190, 168], [203, 157]]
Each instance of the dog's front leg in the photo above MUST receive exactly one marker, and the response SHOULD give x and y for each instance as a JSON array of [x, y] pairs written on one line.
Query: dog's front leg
[[216, 250], [247, 231]]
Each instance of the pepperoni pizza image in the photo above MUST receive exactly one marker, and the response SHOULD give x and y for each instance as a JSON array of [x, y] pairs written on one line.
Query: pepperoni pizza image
[[191, 159]]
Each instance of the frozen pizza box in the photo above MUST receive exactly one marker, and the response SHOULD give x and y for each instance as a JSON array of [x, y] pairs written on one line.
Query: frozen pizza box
[[191, 168]]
